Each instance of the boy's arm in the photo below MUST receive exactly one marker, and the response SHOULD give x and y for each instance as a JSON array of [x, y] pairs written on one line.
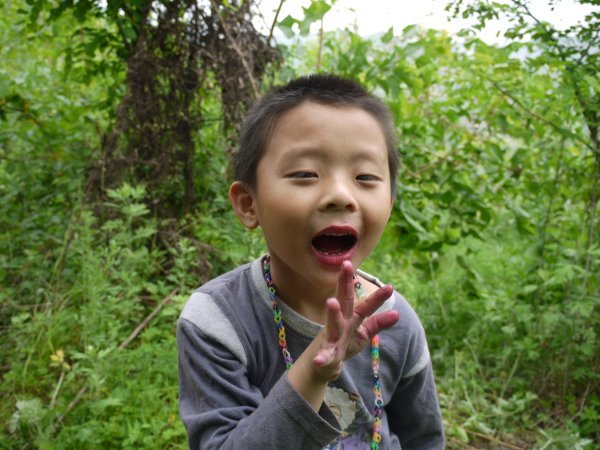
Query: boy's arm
[[414, 413], [221, 409]]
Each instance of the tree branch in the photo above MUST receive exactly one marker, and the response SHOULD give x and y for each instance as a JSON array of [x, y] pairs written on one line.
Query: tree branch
[[494, 440], [237, 49], [275, 21], [320, 53], [517, 102]]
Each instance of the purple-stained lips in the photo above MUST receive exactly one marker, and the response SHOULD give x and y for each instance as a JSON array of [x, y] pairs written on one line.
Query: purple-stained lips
[[335, 244]]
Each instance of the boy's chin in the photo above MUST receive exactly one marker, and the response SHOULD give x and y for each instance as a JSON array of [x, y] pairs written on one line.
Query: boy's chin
[[328, 282]]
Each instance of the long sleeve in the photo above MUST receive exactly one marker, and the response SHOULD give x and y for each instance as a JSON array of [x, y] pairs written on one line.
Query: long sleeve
[[414, 414], [221, 409], [413, 411]]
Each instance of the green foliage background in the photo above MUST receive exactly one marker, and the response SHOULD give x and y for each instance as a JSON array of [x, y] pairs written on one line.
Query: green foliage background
[[493, 237]]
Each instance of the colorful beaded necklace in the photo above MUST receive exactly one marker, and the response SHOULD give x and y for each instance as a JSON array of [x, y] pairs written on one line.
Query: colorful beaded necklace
[[289, 361]]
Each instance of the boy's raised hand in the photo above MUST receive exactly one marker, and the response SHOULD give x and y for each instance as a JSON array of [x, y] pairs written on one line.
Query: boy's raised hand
[[350, 327]]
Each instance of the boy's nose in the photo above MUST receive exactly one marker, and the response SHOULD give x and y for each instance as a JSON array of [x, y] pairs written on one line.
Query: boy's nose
[[337, 195]]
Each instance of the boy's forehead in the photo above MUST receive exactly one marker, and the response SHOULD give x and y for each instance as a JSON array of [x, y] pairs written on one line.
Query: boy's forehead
[[309, 109], [311, 104], [305, 127]]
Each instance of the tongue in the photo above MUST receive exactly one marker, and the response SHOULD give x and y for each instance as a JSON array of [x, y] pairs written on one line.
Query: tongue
[[332, 244]]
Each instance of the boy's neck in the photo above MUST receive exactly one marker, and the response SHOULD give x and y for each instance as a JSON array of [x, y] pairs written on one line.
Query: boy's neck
[[303, 298], [309, 308]]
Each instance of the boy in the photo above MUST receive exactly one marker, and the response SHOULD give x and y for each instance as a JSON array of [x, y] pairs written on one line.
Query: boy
[[298, 350]]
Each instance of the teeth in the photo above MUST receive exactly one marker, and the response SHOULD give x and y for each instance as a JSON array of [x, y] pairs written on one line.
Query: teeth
[[334, 243]]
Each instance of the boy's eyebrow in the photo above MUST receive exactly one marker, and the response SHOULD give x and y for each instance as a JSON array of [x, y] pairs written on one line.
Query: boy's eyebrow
[[302, 151], [305, 151]]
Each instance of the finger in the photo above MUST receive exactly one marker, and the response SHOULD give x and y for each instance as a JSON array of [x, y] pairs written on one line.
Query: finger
[[374, 324], [325, 356], [345, 289], [334, 326], [373, 301]]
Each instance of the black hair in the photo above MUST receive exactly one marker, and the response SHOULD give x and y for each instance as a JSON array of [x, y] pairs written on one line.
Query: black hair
[[327, 89]]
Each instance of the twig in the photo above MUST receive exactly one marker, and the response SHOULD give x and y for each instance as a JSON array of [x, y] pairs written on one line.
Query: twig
[[460, 443], [593, 202], [511, 375], [148, 318], [56, 389], [65, 244], [121, 346], [493, 439], [527, 11], [557, 174], [320, 54], [517, 102], [586, 110], [583, 400], [274, 21], [237, 50], [72, 404]]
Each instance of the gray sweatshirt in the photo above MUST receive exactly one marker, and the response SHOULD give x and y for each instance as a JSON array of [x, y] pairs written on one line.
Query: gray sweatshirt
[[234, 392]]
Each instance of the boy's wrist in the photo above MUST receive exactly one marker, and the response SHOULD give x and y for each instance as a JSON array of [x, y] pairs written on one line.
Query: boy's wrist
[[305, 378]]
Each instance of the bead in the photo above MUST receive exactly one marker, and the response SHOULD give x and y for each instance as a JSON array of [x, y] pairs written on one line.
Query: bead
[[289, 361]]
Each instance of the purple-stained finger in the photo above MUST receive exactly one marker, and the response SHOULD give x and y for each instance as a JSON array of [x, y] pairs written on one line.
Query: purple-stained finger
[[345, 289], [374, 301], [374, 324], [334, 325]]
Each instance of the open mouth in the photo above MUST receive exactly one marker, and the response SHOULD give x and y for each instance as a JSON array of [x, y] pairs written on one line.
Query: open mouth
[[334, 243]]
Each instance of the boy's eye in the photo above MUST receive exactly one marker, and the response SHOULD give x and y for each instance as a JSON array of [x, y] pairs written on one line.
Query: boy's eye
[[303, 174], [368, 177]]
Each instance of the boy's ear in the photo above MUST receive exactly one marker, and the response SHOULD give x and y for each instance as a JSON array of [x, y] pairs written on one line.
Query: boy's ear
[[242, 201]]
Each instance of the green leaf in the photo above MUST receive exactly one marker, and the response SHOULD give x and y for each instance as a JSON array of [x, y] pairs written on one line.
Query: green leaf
[[388, 36], [286, 26], [316, 11]]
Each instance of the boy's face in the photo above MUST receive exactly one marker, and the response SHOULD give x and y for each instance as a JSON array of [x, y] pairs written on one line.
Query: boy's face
[[322, 194]]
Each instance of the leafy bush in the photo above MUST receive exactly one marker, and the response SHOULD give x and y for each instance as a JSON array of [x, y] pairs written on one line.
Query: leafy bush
[[493, 239]]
